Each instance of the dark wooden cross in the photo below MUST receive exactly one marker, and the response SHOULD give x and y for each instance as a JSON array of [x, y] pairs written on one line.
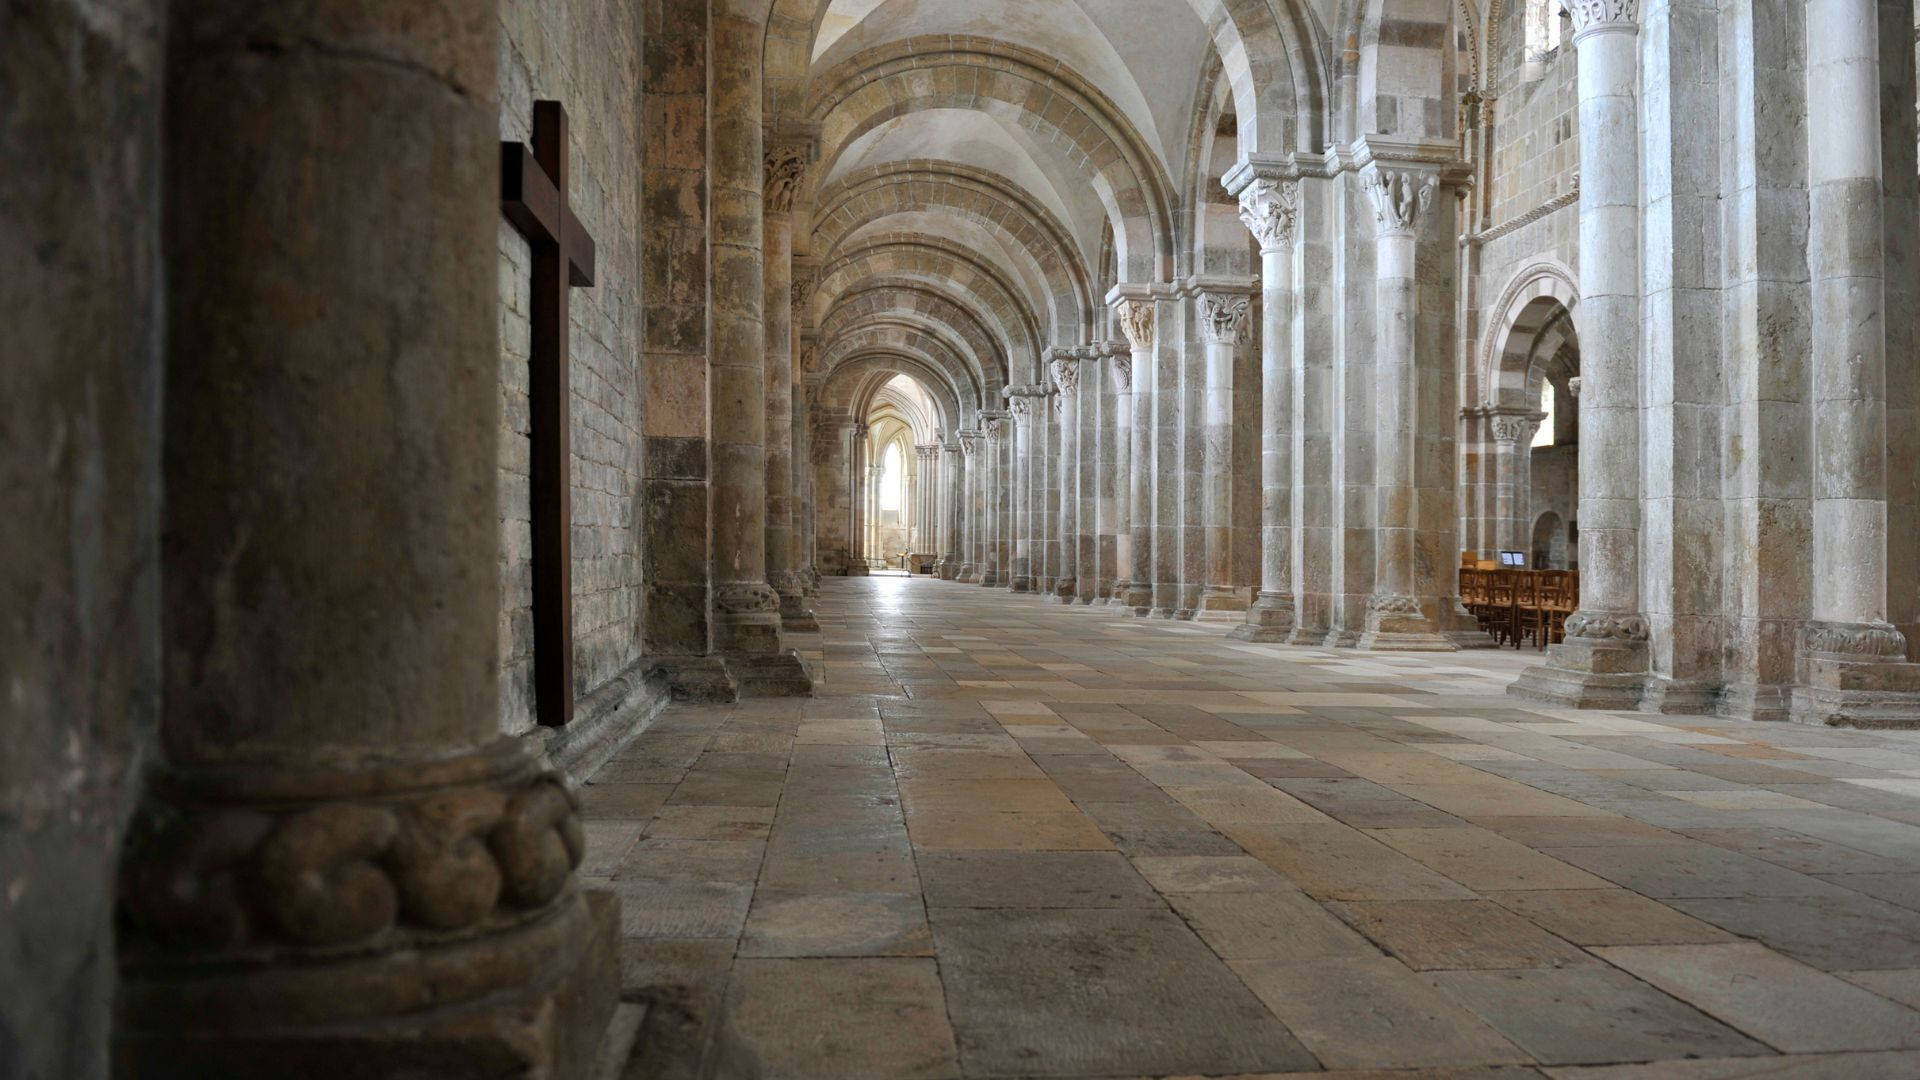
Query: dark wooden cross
[[533, 195]]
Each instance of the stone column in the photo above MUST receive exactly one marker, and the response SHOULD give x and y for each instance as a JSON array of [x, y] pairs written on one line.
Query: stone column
[[1603, 662], [1271, 208], [1125, 573], [1853, 656], [786, 162], [340, 864], [871, 547], [1065, 372], [857, 502], [1020, 405], [1046, 481], [1396, 618], [994, 498], [1513, 478], [1136, 321], [746, 610], [1086, 459], [973, 466], [832, 468], [952, 483], [1110, 480], [1223, 321]]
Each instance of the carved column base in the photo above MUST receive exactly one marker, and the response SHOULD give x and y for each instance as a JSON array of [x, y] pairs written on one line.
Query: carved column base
[[989, 577], [1221, 603], [746, 619], [1022, 583], [969, 573], [1399, 624], [1601, 665], [858, 568], [314, 923], [1064, 590], [695, 680], [947, 568], [795, 612], [1270, 619], [779, 674], [1856, 675], [1313, 636], [1138, 599]]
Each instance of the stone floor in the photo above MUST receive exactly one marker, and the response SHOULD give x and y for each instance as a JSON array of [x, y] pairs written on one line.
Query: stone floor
[[1013, 839]]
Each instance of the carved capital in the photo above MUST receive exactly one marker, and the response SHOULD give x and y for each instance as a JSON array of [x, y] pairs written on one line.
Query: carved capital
[[1271, 210], [1600, 16], [995, 427], [1020, 406], [1393, 605], [1516, 428], [1401, 197], [1123, 372], [1853, 641], [786, 168], [1066, 375], [1607, 627], [1224, 317], [1136, 321], [969, 442], [745, 598]]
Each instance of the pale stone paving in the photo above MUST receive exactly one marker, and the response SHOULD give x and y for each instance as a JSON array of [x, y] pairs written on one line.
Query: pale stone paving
[[1014, 838]]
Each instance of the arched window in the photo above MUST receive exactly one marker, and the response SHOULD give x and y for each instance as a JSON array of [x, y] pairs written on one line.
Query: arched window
[[1544, 436], [892, 479]]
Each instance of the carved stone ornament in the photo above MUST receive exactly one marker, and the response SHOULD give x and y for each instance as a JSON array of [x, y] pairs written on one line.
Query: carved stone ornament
[[1020, 407], [481, 840], [809, 357], [1224, 317], [1271, 209], [1603, 15], [786, 167], [1573, 388], [1606, 627], [1515, 429], [746, 598], [1393, 605], [1136, 321], [1400, 197], [1853, 641], [1066, 376], [970, 442], [1123, 372], [994, 426]]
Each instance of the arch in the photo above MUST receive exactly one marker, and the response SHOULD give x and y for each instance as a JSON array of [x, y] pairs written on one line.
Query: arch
[[1526, 307], [1393, 95], [897, 350], [1028, 88], [1550, 546], [942, 266], [921, 305]]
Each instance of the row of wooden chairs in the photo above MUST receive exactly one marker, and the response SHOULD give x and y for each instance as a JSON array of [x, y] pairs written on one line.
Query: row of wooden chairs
[[1513, 605]]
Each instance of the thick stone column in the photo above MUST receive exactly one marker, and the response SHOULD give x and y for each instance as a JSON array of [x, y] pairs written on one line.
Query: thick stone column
[[1086, 460], [341, 866], [1224, 317], [1603, 662], [1163, 434], [973, 467], [1110, 515], [998, 431], [1513, 478], [1396, 617], [1020, 405], [833, 466], [746, 609], [1121, 476], [952, 484], [786, 162], [1046, 487], [858, 494], [1136, 321], [1853, 657], [1064, 369], [1270, 208]]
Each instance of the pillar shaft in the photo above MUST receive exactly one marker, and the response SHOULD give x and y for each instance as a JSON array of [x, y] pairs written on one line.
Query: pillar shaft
[[1270, 209], [1223, 322], [1065, 372], [343, 865], [1137, 322]]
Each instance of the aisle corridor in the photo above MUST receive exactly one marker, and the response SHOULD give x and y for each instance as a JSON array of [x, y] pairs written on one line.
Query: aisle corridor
[[1009, 838]]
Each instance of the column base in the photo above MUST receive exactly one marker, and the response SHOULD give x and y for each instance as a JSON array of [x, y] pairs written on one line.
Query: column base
[[1022, 583], [1399, 624], [695, 680], [767, 675], [1138, 600], [1269, 620], [1162, 613], [969, 573], [858, 568], [1856, 675], [796, 615], [555, 981], [1310, 636], [1220, 604], [1601, 665], [989, 578], [946, 569]]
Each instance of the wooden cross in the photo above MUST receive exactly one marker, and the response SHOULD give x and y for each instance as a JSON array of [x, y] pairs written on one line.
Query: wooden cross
[[533, 195]]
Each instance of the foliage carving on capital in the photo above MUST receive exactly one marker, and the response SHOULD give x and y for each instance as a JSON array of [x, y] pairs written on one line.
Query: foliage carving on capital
[[1123, 371], [1136, 321], [1224, 317], [969, 442], [1066, 376], [786, 167], [995, 427], [1516, 429], [1271, 210], [1603, 14], [1400, 197], [1019, 406]]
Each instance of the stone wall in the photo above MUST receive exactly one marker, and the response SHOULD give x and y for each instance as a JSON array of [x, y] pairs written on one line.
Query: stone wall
[[79, 504], [1556, 488], [586, 55]]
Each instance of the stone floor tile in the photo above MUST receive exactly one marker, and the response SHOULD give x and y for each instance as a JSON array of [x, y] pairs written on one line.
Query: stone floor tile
[[1270, 925], [1335, 862], [1208, 873], [1445, 935], [1884, 1065], [836, 1019], [1902, 986], [682, 909], [1902, 889], [1608, 917], [1590, 1015], [1033, 879], [1136, 989], [711, 823], [1485, 861], [1805, 854], [940, 764], [1833, 933], [1786, 1004], [1373, 1013], [1692, 870], [1493, 797], [1548, 832], [819, 923], [936, 830], [628, 802]]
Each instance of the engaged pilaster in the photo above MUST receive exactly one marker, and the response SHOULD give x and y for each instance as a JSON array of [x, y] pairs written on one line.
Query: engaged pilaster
[[1224, 318], [1137, 323], [1270, 208], [1064, 369]]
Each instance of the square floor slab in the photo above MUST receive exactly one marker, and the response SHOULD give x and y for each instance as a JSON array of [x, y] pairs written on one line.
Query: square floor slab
[[866, 1019], [1033, 879], [1591, 1015]]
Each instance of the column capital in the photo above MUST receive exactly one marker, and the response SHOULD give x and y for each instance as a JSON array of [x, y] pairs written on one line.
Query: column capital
[[995, 425], [969, 442], [1136, 321], [1401, 195], [1270, 208], [1122, 370], [786, 169], [1064, 369], [1603, 16], [1516, 427], [1224, 316]]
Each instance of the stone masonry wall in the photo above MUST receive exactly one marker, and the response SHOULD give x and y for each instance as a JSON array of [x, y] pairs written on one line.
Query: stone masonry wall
[[585, 54]]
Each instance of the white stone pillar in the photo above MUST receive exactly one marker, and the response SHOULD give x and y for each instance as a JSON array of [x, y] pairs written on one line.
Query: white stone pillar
[[1402, 196], [1603, 662], [1270, 208], [1163, 435], [993, 427], [1086, 457], [1020, 405], [1136, 450], [1513, 478], [1065, 372], [1224, 317], [857, 502], [1119, 480], [953, 481]]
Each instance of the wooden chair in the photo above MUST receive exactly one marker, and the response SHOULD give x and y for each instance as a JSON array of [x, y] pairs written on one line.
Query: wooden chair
[[1560, 597], [1530, 602], [1499, 607]]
